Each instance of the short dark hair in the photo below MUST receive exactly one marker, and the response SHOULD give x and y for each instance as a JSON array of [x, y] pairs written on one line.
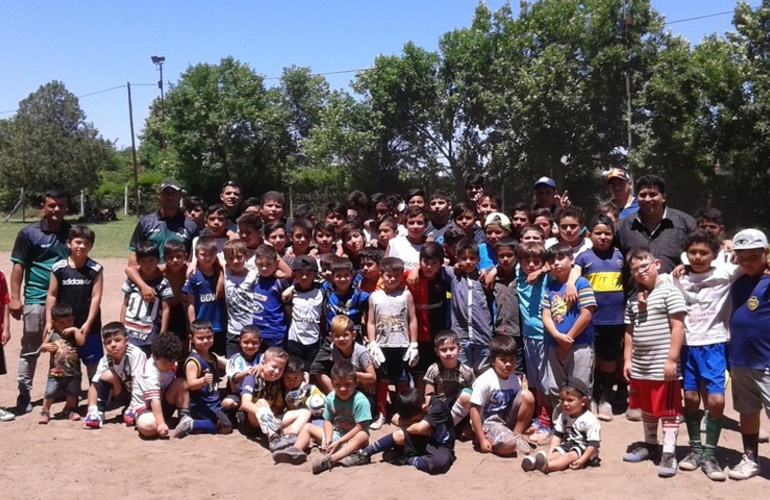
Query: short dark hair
[[453, 236], [709, 214], [343, 370], [416, 211], [173, 246], [81, 231], [305, 225], [200, 324], [273, 226], [461, 208], [540, 212], [443, 336], [432, 251], [252, 330], [639, 253], [520, 207], [350, 228], [607, 207], [467, 245], [386, 220], [415, 192], [392, 265], [216, 209], [56, 193], [474, 180], [275, 196], [294, 365], [537, 229], [303, 212], [340, 264], [508, 242], [250, 219], [61, 310], [440, 194], [227, 184], [559, 251], [250, 202], [650, 182], [601, 220], [410, 403], [206, 244], [146, 249], [266, 251], [356, 200], [502, 345], [323, 226], [531, 250], [573, 211], [166, 346], [233, 248], [193, 202], [373, 254], [336, 208], [113, 328], [703, 236], [493, 196]]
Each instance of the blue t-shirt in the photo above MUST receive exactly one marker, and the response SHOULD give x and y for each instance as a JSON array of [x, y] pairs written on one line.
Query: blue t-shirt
[[204, 401], [269, 313], [204, 289], [530, 298], [604, 271], [353, 305], [344, 415], [563, 315], [750, 323], [629, 210], [487, 256]]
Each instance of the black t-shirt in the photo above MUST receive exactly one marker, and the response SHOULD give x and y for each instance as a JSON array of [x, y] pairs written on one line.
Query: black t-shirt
[[442, 428], [75, 287]]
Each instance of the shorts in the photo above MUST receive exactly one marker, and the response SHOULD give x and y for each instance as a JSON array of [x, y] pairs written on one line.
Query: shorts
[[427, 353], [521, 362], [475, 356], [220, 344], [306, 353], [167, 408], [177, 322], [235, 397], [579, 363], [322, 364], [232, 344], [216, 416], [498, 429], [608, 341], [751, 389], [92, 349], [661, 398], [570, 446], [57, 387], [438, 458], [394, 367], [706, 365], [336, 436], [534, 352]]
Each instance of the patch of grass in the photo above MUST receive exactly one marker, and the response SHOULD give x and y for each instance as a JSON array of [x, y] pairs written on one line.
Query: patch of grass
[[111, 237]]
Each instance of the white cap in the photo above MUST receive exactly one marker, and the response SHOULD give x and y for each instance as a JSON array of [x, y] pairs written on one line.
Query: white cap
[[749, 239]]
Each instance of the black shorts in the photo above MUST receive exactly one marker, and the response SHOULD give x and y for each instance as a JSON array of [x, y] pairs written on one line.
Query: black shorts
[[2, 360], [177, 322], [427, 357], [608, 341], [220, 344], [306, 353], [394, 367], [438, 458], [322, 363], [521, 362]]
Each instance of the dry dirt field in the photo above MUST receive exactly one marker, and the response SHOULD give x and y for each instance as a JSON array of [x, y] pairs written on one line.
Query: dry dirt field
[[62, 460]]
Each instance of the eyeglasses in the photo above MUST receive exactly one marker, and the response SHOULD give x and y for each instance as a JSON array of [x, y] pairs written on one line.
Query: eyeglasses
[[643, 268]]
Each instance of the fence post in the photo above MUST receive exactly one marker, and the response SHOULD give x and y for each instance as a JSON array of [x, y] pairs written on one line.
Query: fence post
[[125, 200], [23, 206], [82, 204]]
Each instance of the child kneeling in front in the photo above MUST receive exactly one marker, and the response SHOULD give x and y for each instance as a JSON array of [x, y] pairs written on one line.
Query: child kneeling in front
[[500, 408], [426, 437], [576, 433], [346, 426]]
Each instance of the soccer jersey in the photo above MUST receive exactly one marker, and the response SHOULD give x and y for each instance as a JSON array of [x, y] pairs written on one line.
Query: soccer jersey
[[345, 414], [493, 394], [258, 388], [563, 315], [405, 250], [750, 323], [203, 288], [431, 305], [75, 286], [530, 298], [158, 229], [442, 428], [206, 399], [391, 317], [239, 300], [437, 233], [581, 431], [652, 330], [236, 364], [448, 383], [36, 249], [151, 383], [352, 304], [125, 369], [269, 313], [604, 271], [307, 308], [143, 319]]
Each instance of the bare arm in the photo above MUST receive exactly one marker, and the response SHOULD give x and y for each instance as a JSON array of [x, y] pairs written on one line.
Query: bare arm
[[123, 309], [17, 275], [165, 316], [96, 302], [676, 321], [132, 272], [50, 300], [411, 310], [430, 389], [421, 428], [628, 347], [194, 382], [371, 327], [367, 378], [484, 445], [190, 299]]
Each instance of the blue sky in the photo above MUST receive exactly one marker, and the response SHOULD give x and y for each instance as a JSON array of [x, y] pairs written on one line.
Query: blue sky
[[96, 45]]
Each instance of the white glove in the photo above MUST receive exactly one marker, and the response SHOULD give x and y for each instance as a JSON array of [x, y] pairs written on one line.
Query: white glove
[[412, 355], [378, 358]]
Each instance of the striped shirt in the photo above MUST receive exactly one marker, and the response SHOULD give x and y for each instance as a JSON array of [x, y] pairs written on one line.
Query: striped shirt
[[652, 331]]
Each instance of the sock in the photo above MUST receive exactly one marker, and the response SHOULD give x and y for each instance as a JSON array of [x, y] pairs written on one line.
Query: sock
[[381, 394], [670, 433], [650, 424], [204, 427], [268, 424], [751, 445], [458, 412], [604, 381], [713, 430], [386, 442], [184, 412], [419, 463], [693, 430], [103, 391]]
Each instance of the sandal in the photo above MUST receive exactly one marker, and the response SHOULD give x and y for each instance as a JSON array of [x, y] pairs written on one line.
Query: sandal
[[45, 417]]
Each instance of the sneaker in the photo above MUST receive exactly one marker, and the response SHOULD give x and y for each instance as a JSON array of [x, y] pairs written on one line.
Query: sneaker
[[522, 445], [129, 418], [280, 444], [184, 427], [393, 457], [23, 404], [541, 461], [712, 469], [605, 412], [378, 423], [764, 437], [746, 469], [639, 452], [528, 464], [273, 441], [691, 462], [94, 420], [634, 414], [45, 417], [322, 464], [6, 416], [667, 466], [357, 458], [290, 455]]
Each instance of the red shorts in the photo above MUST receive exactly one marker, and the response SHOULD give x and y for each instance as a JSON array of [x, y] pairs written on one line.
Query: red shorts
[[662, 398]]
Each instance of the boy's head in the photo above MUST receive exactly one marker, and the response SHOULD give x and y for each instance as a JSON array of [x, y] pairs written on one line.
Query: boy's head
[[216, 220], [352, 236], [194, 208], [304, 211], [342, 273], [415, 197], [165, 350], [274, 363], [702, 247], [411, 406], [531, 256], [250, 229], [175, 255], [336, 214], [250, 340], [275, 235], [235, 253], [601, 230], [750, 246], [325, 261], [446, 344], [560, 258], [387, 229], [266, 259], [532, 234], [324, 234], [344, 379], [416, 222], [440, 206], [294, 374], [574, 395], [506, 250], [343, 332], [62, 316], [201, 335], [252, 206], [304, 270], [570, 222], [502, 354], [301, 236], [464, 215], [643, 266], [609, 209], [272, 206], [369, 260], [474, 186], [543, 218], [489, 202], [496, 226], [80, 240], [115, 339], [519, 217], [206, 252], [391, 271], [431, 259], [452, 237], [467, 255], [710, 218], [147, 255]]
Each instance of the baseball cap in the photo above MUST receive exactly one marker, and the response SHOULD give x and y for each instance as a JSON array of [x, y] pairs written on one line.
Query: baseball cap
[[498, 219], [547, 181], [304, 263], [749, 239], [170, 183], [618, 173], [577, 384]]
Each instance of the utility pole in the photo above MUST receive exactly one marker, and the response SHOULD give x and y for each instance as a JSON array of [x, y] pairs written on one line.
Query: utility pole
[[137, 208], [628, 24]]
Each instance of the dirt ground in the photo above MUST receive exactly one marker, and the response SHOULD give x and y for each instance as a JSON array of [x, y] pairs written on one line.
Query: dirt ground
[[65, 461]]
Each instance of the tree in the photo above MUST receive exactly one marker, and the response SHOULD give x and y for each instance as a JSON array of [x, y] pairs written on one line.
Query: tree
[[48, 144]]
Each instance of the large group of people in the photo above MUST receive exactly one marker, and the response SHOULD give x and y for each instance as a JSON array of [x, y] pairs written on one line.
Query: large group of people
[[432, 319]]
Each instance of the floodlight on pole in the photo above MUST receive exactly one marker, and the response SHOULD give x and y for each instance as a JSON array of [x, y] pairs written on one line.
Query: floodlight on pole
[[158, 62]]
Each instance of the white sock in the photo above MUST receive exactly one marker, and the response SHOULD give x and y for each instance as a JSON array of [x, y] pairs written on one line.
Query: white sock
[[459, 412]]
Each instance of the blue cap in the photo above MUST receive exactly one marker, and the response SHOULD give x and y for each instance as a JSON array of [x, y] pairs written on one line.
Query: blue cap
[[547, 181]]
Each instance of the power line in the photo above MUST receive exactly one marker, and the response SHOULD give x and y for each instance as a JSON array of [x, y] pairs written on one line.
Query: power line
[[103, 91], [705, 16]]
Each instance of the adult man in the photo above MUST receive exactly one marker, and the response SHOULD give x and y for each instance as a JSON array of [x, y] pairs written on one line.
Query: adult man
[[546, 197], [231, 199], [619, 183], [37, 247], [168, 223], [749, 351]]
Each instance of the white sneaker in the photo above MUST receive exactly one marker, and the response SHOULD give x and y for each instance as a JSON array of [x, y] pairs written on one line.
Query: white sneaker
[[377, 424], [746, 469], [605, 412], [184, 427]]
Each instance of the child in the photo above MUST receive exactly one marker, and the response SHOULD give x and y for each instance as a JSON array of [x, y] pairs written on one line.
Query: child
[[175, 272], [464, 217], [336, 214], [5, 336], [426, 436], [301, 238], [217, 227], [415, 196], [324, 238], [353, 241], [496, 227], [239, 294], [519, 219], [653, 341], [262, 395], [602, 266], [448, 379], [269, 313], [201, 369], [392, 333], [570, 222], [576, 433], [533, 234], [158, 392], [386, 229], [543, 218], [488, 203], [505, 289], [62, 341], [115, 374], [452, 237], [569, 351], [342, 297], [194, 209], [297, 392], [272, 206], [344, 348], [500, 408], [144, 319], [201, 291], [439, 211], [407, 248], [250, 232], [346, 426], [77, 282], [370, 258], [241, 364], [306, 310], [275, 236]]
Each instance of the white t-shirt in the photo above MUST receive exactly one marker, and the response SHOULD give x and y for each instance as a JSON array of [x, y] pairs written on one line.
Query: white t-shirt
[[239, 299], [150, 384], [391, 317], [402, 248], [585, 430], [306, 312], [129, 366], [493, 394], [236, 364]]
